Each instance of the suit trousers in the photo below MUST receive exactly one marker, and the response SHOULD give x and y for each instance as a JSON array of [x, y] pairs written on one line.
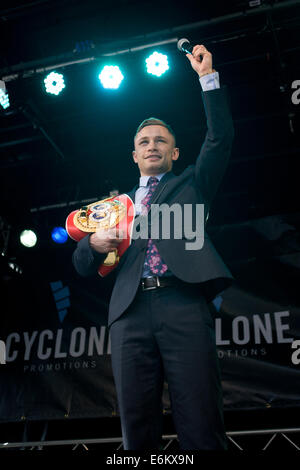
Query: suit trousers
[[167, 334]]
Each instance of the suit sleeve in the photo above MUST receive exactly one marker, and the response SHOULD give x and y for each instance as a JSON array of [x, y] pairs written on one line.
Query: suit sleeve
[[86, 261], [215, 151]]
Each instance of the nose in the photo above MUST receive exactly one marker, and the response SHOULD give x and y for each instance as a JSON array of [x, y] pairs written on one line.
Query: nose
[[152, 145]]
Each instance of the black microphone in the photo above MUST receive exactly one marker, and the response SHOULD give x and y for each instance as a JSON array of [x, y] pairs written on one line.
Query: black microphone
[[184, 45]]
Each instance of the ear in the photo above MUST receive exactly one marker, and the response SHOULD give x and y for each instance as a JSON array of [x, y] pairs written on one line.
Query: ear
[[134, 156], [175, 154]]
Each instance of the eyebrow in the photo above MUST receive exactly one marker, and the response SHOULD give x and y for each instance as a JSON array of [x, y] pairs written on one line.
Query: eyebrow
[[147, 137]]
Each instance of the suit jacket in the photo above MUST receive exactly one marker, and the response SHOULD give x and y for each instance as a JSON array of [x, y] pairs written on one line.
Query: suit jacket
[[196, 185]]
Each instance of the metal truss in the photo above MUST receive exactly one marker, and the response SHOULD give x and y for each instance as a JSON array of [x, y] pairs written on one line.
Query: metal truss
[[273, 432], [116, 443], [5, 230], [29, 69]]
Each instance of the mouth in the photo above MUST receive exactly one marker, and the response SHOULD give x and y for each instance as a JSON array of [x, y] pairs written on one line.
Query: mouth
[[153, 157]]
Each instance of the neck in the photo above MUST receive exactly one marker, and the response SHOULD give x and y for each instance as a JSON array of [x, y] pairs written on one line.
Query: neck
[[150, 174], [154, 174]]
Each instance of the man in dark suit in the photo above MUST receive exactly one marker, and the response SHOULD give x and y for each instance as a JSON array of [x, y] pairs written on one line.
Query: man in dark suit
[[160, 324]]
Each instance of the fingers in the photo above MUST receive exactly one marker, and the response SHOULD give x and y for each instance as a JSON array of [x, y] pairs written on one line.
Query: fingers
[[201, 60], [105, 241], [200, 50], [113, 236], [115, 233], [110, 233], [113, 244]]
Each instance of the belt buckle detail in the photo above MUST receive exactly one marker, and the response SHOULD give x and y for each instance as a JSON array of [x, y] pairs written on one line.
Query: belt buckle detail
[[152, 287]]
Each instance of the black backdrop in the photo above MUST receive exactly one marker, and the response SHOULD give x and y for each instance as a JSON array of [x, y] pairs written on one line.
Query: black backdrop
[[57, 343]]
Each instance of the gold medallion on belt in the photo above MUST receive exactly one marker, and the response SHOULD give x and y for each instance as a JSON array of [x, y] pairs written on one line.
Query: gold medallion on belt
[[103, 214]]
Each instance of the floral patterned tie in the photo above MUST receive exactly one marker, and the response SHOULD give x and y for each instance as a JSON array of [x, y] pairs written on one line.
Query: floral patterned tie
[[153, 259]]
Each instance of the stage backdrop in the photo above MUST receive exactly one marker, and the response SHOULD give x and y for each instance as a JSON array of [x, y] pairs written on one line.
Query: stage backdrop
[[58, 347]]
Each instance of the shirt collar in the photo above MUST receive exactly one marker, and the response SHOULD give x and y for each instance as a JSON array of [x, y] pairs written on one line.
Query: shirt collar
[[144, 179]]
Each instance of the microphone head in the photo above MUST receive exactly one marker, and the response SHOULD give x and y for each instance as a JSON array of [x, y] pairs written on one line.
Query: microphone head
[[181, 42]]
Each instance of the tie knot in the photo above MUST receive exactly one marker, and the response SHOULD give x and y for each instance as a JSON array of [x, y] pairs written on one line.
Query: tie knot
[[152, 180]]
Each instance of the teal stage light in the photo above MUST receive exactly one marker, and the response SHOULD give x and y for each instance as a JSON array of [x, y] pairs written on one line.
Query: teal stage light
[[4, 99], [54, 83], [111, 77], [157, 64]]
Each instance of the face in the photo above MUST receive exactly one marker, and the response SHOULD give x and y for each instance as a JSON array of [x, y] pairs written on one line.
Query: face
[[154, 150]]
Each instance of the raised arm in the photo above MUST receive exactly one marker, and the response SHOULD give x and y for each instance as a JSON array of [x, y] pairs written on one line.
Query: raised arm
[[215, 151]]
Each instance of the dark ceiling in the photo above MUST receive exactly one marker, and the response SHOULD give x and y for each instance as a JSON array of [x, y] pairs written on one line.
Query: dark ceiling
[[77, 146]]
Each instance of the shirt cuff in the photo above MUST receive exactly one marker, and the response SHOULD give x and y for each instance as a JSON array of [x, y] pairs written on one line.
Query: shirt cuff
[[211, 81]]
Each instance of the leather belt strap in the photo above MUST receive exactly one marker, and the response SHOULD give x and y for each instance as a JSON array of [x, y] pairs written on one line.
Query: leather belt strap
[[154, 282]]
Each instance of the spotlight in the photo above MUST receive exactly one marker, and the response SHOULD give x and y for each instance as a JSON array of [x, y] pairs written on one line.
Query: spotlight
[[28, 238], [59, 235], [54, 83], [157, 64], [4, 99], [111, 76]]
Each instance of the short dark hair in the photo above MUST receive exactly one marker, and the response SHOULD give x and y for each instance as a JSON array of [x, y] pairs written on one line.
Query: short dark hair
[[152, 121]]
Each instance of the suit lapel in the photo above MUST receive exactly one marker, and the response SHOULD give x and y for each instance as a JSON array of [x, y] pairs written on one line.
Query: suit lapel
[[159, 191], [161, 187], [131, 193]]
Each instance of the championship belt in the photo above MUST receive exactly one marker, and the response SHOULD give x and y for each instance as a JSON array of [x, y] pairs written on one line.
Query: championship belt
[[116, 212]]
